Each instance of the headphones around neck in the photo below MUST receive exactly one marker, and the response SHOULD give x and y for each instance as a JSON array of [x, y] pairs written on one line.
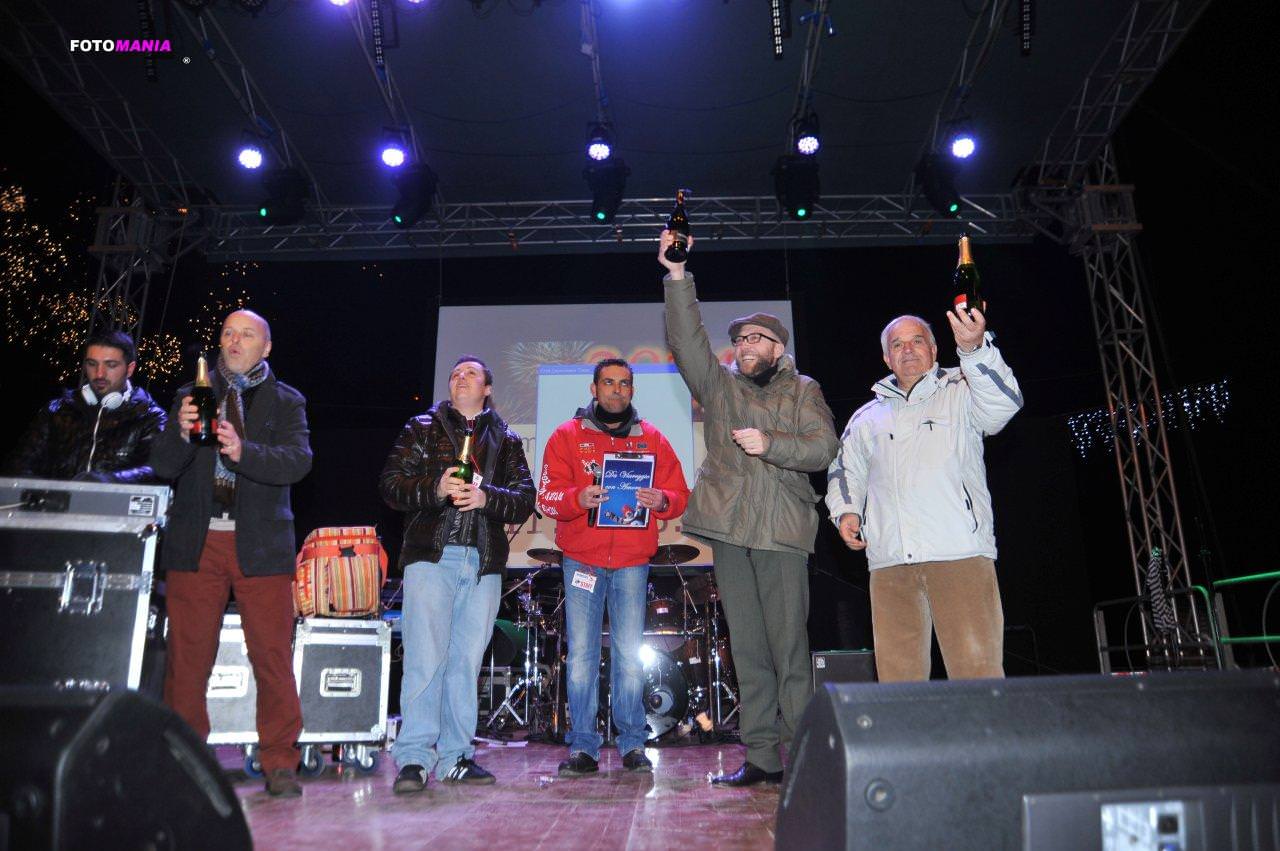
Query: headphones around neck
[[109, 402]]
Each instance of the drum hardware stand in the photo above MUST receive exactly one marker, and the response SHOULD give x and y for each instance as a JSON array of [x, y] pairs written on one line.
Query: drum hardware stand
[[719, 688], [529, 689], [554, 731]]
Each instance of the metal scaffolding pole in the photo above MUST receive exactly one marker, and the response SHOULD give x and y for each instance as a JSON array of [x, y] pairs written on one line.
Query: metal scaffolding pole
[[1073, 195], [1108, 227]]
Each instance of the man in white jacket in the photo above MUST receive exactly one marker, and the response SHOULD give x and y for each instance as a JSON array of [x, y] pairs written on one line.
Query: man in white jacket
[[909, 485]]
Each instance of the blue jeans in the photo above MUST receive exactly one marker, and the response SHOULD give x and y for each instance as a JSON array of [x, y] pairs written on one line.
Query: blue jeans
[[447, 623], [624, 591]]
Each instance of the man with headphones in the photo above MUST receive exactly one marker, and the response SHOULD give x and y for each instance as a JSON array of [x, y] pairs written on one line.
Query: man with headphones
[[98, 432]]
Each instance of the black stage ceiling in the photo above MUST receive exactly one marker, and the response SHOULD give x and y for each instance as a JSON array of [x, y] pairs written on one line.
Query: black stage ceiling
[[500, 93]]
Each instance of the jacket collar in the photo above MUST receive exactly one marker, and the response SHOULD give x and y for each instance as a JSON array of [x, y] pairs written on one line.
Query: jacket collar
[[887, 388], [588, 421]]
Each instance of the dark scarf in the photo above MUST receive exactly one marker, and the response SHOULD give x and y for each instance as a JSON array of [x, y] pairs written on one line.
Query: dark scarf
[[617, 425], [232, 410], [762, 379]]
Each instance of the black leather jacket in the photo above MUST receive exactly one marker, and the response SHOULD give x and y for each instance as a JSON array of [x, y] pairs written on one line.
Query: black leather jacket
[[61, 442], [426, 447]]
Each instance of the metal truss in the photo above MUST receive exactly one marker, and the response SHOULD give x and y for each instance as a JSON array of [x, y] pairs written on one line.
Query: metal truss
[[132, 245], [743, 222], [1139, 431], [1148, 35], [38, 47], [135, 237], [1073, 195]]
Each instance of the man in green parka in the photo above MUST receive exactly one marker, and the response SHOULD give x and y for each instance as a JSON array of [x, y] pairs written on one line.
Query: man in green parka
[[766, 428]]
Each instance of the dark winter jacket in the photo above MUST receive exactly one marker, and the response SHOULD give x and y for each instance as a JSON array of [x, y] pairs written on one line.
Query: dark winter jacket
[[73, 439], [275, 454], [427, 446]]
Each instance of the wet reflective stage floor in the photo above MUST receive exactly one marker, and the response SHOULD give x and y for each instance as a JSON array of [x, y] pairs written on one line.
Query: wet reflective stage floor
[[529, 807]]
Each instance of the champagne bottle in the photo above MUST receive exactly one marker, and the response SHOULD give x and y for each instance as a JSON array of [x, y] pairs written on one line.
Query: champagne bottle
[[966, 280], [204, 431], [678, 224], [465, 471]]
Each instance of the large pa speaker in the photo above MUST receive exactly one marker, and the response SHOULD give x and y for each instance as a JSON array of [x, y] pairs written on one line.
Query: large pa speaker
[[1165, 762], [108, 770]]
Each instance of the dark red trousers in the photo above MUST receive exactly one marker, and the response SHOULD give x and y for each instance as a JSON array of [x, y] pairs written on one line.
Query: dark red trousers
[[195, 603]]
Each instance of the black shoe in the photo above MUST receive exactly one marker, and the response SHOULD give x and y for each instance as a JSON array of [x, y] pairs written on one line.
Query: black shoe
[[283, 783], [579, 764], [411, 780], [636, 761], [466, 771], [748, 775]]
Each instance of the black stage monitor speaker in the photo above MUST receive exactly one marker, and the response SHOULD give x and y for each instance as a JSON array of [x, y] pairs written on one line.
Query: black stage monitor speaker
[[1165, 762], [108, 770], [843, 666]]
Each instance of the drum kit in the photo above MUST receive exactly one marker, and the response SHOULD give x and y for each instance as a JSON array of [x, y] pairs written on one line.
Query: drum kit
[[689, 680]]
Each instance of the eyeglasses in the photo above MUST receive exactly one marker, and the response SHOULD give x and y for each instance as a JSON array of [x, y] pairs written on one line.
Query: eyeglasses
[[752, 338]]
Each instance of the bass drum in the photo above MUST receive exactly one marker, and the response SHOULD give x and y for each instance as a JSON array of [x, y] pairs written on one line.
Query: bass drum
[[665, 696]]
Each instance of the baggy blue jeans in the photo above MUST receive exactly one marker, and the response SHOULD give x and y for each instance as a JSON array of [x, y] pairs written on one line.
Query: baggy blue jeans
[[447, 623]]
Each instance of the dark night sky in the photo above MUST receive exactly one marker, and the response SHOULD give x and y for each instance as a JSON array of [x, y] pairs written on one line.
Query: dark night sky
[[1200, 148]]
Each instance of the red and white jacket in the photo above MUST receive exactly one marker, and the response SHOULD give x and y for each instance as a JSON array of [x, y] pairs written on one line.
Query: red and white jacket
[[566, 469]]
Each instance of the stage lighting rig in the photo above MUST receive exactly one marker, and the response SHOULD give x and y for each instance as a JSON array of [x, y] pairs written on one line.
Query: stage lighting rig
[[417, 187], [394, 150], [795, 183], [599, 142], [805, 135], [780, 24], [961, 141], [287, 192], [608, 182], [936, 176], [250, 156]]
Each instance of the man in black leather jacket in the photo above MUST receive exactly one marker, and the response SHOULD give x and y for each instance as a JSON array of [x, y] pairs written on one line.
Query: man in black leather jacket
[[231, 530], [454, 557], [98, 432]]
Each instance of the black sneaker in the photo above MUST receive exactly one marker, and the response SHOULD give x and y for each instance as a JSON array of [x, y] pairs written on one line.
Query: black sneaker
[[577, 765], [411, 780], [466, 771], [636, 761]]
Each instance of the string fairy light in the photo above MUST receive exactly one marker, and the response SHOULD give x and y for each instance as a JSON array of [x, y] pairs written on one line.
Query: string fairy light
[[1188, 406]]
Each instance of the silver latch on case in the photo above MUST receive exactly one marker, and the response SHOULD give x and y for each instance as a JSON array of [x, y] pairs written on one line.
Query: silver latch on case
[[83, 585]]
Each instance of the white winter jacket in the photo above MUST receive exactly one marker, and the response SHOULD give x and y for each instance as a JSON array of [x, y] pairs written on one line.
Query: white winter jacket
[[911, 467]]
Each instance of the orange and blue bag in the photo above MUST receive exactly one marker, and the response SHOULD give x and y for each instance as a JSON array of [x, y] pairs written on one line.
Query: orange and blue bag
[[340, 573]]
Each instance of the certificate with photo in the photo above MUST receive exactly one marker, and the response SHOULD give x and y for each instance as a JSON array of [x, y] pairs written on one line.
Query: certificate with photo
[[621, 475]]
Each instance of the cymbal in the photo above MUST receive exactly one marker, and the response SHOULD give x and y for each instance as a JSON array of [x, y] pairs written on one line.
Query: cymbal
[[674, 554], [545, 556]]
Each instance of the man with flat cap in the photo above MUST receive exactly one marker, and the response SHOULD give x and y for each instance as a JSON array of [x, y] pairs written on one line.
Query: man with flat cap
[[766, 428]]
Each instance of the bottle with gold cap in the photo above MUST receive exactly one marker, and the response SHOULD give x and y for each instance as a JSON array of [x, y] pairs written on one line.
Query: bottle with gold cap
[[678, 224], [966, 281], [204, 431], [466, 470]]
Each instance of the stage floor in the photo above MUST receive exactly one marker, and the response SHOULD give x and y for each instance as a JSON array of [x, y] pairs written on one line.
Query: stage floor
[[529, 807]]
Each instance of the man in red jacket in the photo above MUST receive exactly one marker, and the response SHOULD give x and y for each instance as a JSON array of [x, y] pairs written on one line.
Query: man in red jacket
[[606, 566]]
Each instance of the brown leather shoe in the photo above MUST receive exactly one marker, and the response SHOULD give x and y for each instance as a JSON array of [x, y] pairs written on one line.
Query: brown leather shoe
[[283, 783]]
